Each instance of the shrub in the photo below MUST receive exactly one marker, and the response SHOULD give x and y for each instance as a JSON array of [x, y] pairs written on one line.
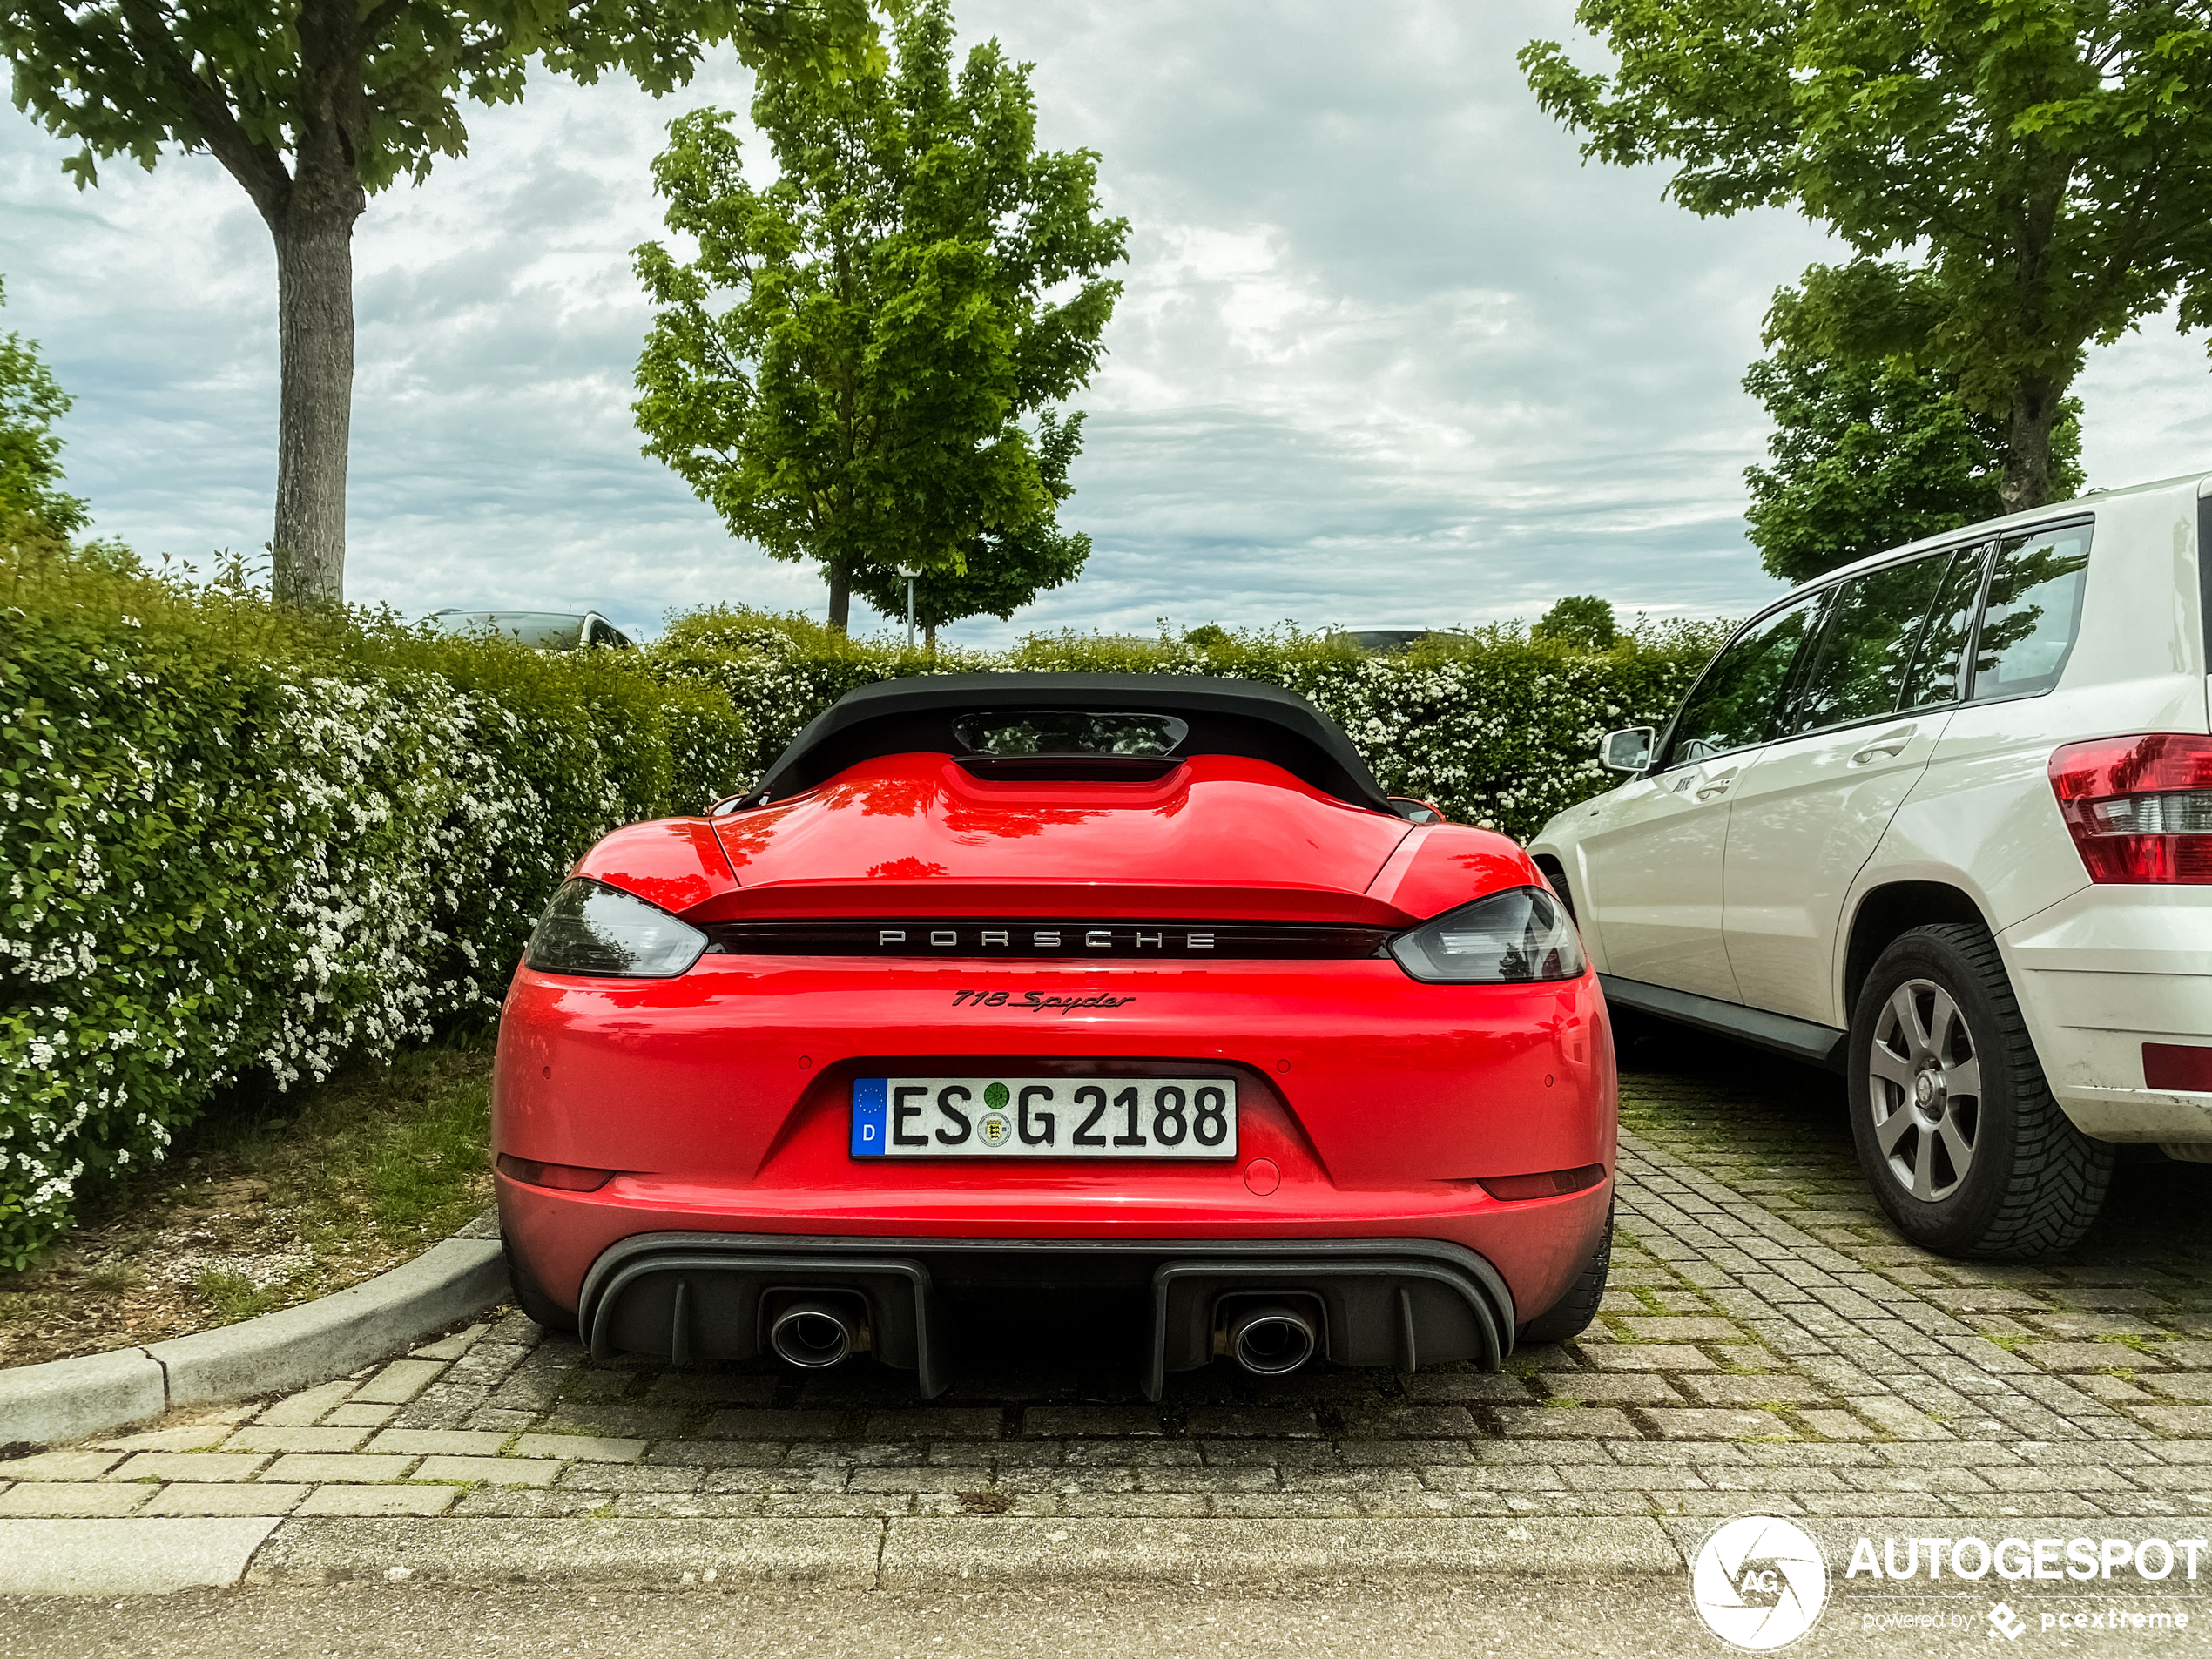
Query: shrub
[[234, 840]]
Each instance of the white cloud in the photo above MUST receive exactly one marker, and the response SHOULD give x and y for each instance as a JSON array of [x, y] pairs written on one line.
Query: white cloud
[[1387, 351]]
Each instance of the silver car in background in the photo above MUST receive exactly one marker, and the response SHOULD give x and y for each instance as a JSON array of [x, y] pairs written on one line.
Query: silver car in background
[[539, 629]]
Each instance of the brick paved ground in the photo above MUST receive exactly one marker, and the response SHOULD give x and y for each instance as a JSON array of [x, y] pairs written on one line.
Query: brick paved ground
[[1766, 1344]]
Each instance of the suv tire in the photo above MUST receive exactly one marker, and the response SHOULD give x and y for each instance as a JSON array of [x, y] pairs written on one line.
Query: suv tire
[[1956, 1128], [1571, 1315]]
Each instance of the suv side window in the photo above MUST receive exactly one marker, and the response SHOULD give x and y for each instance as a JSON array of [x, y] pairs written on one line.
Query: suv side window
[[2032, 612], [1933, 679], [1856, 665], [1735, 704]]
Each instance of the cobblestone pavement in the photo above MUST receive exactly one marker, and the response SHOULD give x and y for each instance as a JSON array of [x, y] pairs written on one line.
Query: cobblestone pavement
[[1766, 1344]]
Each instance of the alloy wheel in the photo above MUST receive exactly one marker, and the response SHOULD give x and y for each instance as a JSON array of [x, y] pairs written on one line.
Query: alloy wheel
[[1924, 1083]]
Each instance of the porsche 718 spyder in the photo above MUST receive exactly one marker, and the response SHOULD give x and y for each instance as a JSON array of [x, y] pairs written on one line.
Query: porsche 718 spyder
[[1083, 984]]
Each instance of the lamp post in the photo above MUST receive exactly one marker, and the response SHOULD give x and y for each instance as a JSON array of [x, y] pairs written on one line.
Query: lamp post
[[910, 571]]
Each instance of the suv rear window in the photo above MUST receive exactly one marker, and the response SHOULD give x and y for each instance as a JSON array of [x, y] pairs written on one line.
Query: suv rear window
[[1934, 677], [2032, 612]]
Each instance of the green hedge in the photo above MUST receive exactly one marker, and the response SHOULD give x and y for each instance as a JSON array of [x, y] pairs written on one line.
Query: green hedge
[[1495, 727], [236, 843]]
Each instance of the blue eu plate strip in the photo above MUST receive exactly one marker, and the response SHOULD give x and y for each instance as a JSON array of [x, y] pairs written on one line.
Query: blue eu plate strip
[[867, 1116]]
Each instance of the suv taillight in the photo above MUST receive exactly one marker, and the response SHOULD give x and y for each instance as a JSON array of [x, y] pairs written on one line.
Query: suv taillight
[[2140, 809]]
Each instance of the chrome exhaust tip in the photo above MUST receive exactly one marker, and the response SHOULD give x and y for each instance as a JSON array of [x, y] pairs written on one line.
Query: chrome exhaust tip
[[813, 1335], [1271, 1341]]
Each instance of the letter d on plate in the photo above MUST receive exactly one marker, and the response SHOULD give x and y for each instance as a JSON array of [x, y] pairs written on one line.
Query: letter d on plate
[[868, 1117]]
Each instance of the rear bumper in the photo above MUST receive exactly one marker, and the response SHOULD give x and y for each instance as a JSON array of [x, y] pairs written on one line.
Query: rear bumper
[[723, 1100], [1534, 1248], [1377, 1301], [2100, 973]]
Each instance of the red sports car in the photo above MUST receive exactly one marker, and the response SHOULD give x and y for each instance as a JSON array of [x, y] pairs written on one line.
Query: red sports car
[[1058, 981]]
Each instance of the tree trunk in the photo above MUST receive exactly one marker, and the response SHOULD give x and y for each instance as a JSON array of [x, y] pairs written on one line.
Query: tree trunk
[[315, 249], [2026, 482], [929, 637], [840, 581]]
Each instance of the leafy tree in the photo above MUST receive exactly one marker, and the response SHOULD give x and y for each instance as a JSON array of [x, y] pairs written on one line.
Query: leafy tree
[[1005, 567], [32, 503], [845, 371], [1579, 620], [312, 106], [1869, 453], [2014, 180]]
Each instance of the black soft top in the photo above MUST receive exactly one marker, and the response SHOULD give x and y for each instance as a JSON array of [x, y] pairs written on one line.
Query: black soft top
[[1225, 717]]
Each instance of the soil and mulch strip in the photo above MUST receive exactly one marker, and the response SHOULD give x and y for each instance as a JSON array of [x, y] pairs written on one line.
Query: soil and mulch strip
[[267, 1200]]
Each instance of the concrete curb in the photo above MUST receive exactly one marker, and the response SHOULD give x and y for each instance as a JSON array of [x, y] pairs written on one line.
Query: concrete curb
[[149, 1557], [930, 1551], [144, 1556], [933, 1552], [73, 1399], [332, 1335], [840, 1553], [70, 1399]]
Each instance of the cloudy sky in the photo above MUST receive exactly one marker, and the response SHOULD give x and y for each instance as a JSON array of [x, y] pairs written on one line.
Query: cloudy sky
[[1387, 353]]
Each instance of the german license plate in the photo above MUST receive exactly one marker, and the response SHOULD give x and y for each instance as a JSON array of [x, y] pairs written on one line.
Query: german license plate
[[1033, 1117]]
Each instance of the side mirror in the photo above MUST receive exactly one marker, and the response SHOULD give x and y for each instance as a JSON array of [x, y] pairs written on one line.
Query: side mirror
[[1629, 750], [1417, 811]]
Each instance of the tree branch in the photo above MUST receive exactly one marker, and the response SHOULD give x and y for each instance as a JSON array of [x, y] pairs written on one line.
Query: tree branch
[[257, 166], [381, 18]]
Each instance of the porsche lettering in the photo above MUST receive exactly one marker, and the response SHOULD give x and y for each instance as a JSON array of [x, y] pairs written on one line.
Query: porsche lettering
[[989, 939]]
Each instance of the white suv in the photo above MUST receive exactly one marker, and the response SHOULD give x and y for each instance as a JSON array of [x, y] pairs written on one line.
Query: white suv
[[1942, 821]]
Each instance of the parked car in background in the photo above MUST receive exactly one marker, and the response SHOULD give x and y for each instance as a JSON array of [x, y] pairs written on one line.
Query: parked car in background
[[541, 630], [1089, 985], [1943, 820]]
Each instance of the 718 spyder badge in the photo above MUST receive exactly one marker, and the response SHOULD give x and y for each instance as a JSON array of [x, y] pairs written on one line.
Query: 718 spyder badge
[[1036, 1001]]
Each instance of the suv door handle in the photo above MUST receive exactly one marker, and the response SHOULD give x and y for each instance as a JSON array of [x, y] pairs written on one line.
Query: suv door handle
[[1713, 787], [1888, 743]]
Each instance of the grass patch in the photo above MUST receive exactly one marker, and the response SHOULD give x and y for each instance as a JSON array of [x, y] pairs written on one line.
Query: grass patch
[[234, 1297], [267, 1200], [395, 1154], [113, 1279]]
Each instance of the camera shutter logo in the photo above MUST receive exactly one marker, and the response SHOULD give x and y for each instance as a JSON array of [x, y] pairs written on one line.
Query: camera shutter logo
[[1759, 1582]]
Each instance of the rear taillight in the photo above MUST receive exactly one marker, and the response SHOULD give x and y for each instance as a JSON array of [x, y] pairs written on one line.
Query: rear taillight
[[2140, 809]]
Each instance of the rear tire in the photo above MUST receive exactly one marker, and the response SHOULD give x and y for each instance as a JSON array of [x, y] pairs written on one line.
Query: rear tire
[[529, 1297], [1955, 1124], [1571, 1315]]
